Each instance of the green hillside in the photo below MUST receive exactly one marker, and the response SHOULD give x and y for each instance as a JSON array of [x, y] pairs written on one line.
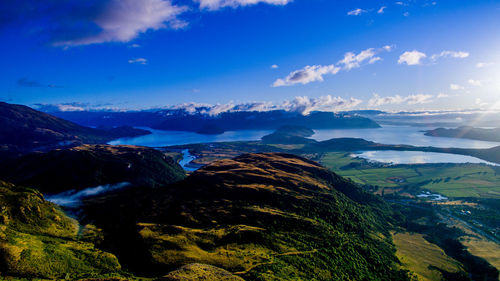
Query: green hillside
[[263, 216], [37, 240]]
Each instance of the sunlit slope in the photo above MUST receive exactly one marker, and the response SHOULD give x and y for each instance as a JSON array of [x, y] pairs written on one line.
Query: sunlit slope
[[422, 257], [481, 247], [37, 240], [196, 271], [263, 216]]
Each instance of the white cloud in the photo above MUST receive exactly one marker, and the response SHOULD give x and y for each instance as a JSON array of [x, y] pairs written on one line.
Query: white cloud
[[442, 95], [138, 60], [124, 20], [411, 57], [352, 60], [381, 10], [303, 105], [419, 99], [400, 3], [415, 57], [434, 3], [73, 106], [406, 14], [307, 75], [274, 66], [480, 102], [316, 72], [450, 54], [378, 100], [374, 60], [218, 4], [483, 64], [356, 12], [475, 82], [134, 46], [456, 87], [397, 99]]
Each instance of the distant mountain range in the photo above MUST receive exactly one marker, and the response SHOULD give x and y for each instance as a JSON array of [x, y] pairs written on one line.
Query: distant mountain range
[[180, 120], [24, 129]]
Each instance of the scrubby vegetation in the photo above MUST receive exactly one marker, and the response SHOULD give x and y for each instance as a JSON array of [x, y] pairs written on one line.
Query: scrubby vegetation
[[37, 240], [259, 216], [265, 216], [196, 271]]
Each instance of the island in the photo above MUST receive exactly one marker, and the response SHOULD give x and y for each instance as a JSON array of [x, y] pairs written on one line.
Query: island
[[290, 134], [467, 132]]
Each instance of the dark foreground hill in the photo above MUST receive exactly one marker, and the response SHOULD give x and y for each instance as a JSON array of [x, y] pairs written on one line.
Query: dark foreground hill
[[91, 165], [24, 129], [263, 216]]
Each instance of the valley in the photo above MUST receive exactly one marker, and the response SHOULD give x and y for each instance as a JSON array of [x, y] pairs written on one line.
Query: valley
[[286, 206], [249, 140]]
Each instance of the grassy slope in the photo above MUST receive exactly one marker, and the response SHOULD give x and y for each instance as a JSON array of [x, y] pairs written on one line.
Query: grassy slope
[[37, 240], [260, 216], [196, 271], [420, 256], [483, 248]]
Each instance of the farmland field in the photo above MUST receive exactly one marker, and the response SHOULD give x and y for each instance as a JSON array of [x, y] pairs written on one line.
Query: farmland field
[[451, 180]]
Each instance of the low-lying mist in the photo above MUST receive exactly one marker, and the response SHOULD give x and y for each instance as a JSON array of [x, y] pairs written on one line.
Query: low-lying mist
[[73, 198]]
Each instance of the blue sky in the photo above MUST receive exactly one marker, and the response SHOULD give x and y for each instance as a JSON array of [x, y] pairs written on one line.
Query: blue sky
[[333, 55]]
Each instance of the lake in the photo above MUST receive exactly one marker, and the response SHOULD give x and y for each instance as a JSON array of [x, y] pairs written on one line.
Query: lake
[[160, 138], [386, 135], [417, 157], [402, 135]]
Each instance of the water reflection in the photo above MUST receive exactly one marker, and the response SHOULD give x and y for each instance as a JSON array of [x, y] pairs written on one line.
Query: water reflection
[[402, 135], [386, 135], [417, 157], [160, 138]]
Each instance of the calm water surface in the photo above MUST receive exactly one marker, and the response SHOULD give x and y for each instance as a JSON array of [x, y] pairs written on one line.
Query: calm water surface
[[386, 135], [402, 135], [166, 138], [417, 157]]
